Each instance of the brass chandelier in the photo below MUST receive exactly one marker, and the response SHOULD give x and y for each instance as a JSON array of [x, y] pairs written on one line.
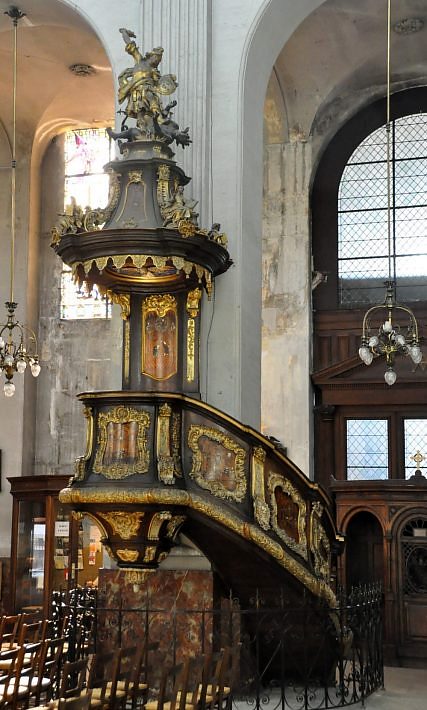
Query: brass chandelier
[[389, 338], [18, 343]]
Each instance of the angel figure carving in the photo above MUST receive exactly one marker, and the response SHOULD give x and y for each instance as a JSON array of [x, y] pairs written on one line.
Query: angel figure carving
[[140, 89]]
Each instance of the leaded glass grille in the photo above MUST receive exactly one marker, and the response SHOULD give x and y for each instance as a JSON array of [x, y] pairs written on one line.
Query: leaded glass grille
[[415, 432], [362, 215], [86, 151], [367, 449]]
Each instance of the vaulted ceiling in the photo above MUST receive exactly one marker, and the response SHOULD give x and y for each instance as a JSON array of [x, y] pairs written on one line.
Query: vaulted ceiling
[[51, 38], [335, 62]]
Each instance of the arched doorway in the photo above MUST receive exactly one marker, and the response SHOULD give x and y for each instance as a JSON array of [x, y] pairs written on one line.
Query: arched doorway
[[364, 551]]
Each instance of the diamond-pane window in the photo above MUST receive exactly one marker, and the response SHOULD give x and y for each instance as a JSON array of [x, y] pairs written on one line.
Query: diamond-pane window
[[415, 431], [86, 151], [367, 449], [362, 215]]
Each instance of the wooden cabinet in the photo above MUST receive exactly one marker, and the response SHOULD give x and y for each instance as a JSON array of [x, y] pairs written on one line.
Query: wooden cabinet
[[42, 537]]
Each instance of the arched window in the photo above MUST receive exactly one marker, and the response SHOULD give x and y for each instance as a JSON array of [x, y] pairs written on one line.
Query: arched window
[[349, 206], [86, 151], [362, 215]]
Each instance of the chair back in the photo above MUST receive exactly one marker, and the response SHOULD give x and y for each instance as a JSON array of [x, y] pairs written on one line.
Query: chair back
[[9, 628], [73, 679], [82, 702]]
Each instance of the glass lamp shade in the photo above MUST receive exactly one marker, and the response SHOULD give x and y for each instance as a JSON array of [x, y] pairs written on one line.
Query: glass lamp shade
[[9, 389], [373, 341], [365, 355], [390, 376], [400, 340], [35, 369], [416, 354], [387, 327], [21, 366], [2, 343], [8, 360]]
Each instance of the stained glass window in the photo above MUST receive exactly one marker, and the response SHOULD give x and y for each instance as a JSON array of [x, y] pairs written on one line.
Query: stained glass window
[[415, 446], [362, 215], [86, 151]]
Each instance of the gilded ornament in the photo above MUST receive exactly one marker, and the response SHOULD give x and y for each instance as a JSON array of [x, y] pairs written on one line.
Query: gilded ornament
[[123, 524], [163, 174], [174, 524], [123, 300], [261, 509], [228, 482], [176, 442], [319, 542], [193, 302], [156, 523], [191, 349], [141, 89], [126, 351], [176, 497], [70, 222], [127, 555], [179, 210], [186, 228], [80, 463], [150, 554], [165, 462], [137, 576], [122, 443], [276, 481], [160, 304]]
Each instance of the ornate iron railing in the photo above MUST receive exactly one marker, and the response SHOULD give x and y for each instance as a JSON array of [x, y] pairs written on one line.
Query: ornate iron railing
[[297, 658]]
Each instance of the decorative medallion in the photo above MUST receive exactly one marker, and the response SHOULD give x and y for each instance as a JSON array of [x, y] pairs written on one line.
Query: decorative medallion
[[218, 463], [288, 513], [319, 543], [159, 337], [122, 443], [125, 525]]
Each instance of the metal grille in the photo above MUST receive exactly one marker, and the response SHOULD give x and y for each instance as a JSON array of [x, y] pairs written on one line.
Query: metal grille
[[362, 215], [367, 449], [415, 446]]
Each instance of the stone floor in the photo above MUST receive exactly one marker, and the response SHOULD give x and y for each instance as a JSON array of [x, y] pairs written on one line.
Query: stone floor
[[405, 689]]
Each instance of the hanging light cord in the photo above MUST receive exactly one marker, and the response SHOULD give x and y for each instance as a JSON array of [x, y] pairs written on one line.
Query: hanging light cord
[[15, 15], [388, 127]]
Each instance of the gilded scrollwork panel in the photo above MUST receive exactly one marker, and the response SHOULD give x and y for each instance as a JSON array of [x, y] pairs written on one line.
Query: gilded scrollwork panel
[[288, 513], [261, 509], [319, 542], [124, 524], [121, 449], [218, 462], [80, 463]]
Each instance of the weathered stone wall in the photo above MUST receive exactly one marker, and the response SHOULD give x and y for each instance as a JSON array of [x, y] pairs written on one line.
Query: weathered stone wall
[[77, 355]]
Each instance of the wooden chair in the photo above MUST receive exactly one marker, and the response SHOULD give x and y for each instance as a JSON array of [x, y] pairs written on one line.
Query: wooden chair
[[29, 633], [18, 686], [173, 689], [73, 679], [82, 702], [103, 680], [48, 677], [9, 628], [138, 686]]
